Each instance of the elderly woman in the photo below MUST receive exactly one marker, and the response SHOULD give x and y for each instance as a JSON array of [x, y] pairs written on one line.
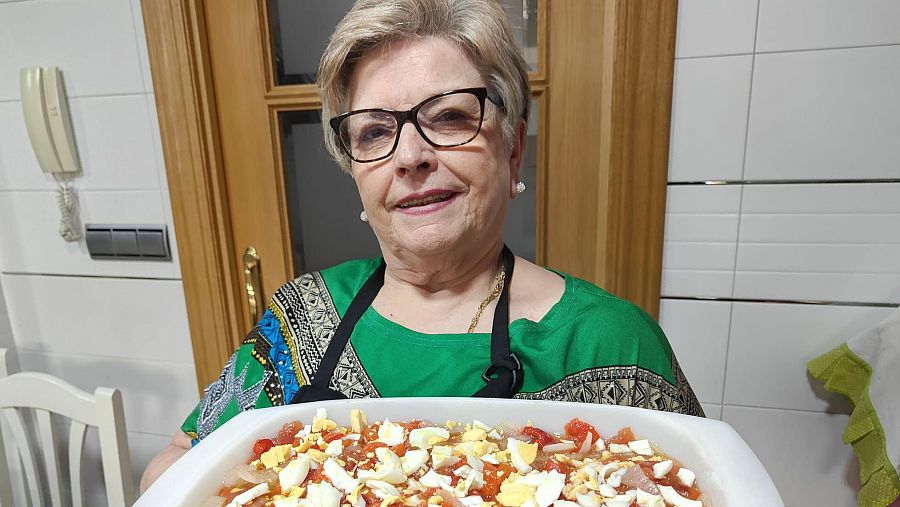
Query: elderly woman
[[425, 104]]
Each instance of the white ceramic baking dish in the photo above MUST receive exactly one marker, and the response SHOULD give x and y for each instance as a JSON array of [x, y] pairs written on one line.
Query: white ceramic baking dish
[[727, 470]]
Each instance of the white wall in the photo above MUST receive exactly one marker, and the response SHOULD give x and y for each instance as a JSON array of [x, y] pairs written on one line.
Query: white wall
[[796, 94], [111, 323]]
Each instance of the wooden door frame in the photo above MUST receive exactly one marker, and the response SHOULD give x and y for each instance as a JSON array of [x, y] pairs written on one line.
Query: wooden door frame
[[603, 222]]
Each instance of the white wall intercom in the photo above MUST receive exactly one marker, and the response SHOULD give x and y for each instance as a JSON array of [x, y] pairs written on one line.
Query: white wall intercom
[[47, 119], [50, 130]]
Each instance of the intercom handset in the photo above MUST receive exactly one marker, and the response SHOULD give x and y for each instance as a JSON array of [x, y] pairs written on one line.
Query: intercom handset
[[50, 131], [47, 119]]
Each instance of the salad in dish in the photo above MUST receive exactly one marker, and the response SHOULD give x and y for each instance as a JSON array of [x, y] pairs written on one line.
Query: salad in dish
[[417, 462]]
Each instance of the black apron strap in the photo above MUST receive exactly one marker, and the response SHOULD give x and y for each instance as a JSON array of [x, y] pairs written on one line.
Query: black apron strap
[[504, 377], [318, 389]]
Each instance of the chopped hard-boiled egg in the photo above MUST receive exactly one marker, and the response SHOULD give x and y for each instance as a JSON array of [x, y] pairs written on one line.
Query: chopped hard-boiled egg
[[424, 438], [645, 499], [521, 454], [474, 435], [619, 449], [442, 456], [390, 468], [662, 468], [414, 460], [686, 477], [290, 501], [294, 473], [391, 434], [248, 496], [335, 448], [276, 455], [433, 479], [322, 495], [671, 496], [357, 420], [514, 494], [339, 477], [641, 447]]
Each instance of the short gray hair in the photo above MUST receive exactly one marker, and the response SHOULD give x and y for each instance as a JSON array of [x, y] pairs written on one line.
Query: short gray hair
[[479, 27]]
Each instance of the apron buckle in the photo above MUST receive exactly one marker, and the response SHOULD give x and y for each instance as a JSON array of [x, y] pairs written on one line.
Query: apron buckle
[[494, 368]]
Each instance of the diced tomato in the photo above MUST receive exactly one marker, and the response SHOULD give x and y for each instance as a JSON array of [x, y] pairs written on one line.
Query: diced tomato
[[538, 436], [370, 434], [370, 498], [400, 450], [624, 436], [370, 447], [329, 436], [287, 432], [317, 475], [552, 464], [494, 475], [262, 445], [578, 430]]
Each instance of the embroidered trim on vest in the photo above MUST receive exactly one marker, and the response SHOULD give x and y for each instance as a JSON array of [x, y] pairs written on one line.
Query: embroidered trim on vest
[[309, 318], [618, 385]]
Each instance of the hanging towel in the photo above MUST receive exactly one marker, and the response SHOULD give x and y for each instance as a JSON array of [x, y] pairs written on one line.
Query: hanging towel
[[866, 370]]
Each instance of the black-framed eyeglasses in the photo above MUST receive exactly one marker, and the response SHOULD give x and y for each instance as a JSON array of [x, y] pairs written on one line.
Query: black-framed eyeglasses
[[449, 119]]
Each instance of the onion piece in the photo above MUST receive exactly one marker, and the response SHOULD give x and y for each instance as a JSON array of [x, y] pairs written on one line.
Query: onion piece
[[233, 477], [586, 445], [449, 499], [559, 447], [636, 478], [254, 476]]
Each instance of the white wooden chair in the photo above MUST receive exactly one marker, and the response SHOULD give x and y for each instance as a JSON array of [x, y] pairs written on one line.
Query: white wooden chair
[[45, 394]]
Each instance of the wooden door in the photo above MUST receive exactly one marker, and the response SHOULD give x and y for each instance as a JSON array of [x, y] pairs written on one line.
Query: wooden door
[[601, 81]]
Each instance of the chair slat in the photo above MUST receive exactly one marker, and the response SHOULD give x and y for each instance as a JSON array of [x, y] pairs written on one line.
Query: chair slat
[[42, 392], [17, 426], [47, 441], [76, 446], [6, 494]]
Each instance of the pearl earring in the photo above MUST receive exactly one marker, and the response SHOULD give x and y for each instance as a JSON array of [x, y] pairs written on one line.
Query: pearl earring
[[363, 216], [520, 187]]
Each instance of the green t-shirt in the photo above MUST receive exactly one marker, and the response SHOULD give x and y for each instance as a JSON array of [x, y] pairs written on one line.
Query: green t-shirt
[[590, 347]]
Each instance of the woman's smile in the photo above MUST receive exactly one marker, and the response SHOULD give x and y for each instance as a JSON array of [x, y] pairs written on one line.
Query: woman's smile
[[424, 203]]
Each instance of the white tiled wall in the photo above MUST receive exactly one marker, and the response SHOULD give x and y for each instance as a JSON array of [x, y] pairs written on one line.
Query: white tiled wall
[[786, 100], [111, 323]]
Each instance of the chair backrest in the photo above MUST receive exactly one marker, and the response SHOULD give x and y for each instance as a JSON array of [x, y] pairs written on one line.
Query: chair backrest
[[45, 395]]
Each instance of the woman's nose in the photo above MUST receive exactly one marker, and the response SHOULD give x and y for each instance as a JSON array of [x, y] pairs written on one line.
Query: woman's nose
[[413, 152]]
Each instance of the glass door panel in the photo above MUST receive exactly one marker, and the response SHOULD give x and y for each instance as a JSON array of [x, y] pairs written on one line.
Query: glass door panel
[[300, 32]]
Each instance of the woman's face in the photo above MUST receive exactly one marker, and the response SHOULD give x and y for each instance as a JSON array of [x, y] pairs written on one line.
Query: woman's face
[[467, 187]]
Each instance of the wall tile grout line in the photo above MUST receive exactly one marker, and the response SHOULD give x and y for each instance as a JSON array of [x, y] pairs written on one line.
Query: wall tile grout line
[[866, 304], [784, 51], [80, 189], [740, 207], [19, 350], [106, 277], [849, 181], [90, 95], [797, 410]]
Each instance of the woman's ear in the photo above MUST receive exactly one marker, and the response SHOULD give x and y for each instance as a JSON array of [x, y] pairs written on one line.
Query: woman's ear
[[515, 158]]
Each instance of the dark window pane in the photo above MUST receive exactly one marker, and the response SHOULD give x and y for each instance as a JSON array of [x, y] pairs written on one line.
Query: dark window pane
[[323, 204], [300, 30]]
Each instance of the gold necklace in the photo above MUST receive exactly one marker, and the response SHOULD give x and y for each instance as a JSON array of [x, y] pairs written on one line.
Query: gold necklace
[[498, 286]]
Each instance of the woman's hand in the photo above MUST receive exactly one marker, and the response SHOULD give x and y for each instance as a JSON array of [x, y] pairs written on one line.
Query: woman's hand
[[180, 444]]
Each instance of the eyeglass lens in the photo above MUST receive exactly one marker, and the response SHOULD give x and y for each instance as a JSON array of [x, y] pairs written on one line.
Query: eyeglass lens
[[448, 120]]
